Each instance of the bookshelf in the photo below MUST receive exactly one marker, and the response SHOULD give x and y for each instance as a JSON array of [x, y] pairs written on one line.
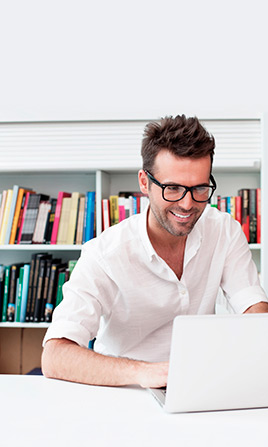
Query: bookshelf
[[105, 156]]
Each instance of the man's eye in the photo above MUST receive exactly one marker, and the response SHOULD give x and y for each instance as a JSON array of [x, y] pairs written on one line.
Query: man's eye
[[202, 190], [175, 188]]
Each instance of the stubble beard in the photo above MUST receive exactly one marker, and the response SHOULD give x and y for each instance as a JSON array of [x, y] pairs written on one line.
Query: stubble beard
[[178, 229]]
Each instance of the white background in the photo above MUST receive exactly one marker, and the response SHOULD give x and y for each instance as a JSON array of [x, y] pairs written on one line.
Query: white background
[[113, 59]]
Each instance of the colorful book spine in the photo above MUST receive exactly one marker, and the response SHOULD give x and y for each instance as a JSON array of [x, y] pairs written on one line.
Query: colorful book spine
[[24, 293], [258, 215], [114, 210], [106, 222], [19, 295], [39, 292], [253, 216], [18, 211], [11, 213], [90, 216], [73, 217], [2, 207], [14, 274], [6, 292], [23, 216], [244, 193], [80, 221], [61, 281], [56, 222], [5, 216]]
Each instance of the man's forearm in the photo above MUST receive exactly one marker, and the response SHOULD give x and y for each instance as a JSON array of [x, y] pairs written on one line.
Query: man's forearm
[[64, 359], [261, 307]]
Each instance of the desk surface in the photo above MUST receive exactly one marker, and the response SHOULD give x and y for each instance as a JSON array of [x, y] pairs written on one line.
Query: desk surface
[[36, 411]]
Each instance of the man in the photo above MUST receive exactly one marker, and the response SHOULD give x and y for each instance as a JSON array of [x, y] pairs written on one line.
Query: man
[[131, 282]]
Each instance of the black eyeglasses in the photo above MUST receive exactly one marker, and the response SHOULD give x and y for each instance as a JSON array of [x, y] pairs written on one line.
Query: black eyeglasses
[[174, 193]]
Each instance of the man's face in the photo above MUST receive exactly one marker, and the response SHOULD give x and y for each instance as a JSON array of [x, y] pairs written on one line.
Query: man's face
[[177, 218]]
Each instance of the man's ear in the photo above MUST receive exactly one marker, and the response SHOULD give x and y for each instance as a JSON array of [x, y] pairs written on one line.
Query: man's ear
[[143, 181]]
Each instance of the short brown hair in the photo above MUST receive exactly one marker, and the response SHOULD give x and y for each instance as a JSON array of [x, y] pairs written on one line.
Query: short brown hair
[[183, 137]]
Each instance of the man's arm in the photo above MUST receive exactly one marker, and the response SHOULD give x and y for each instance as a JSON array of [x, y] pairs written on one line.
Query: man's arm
[[64, 359], [261, 307]]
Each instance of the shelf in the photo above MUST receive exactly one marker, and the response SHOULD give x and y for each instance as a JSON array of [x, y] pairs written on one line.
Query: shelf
[[25, 325], [255, 246], [41, 247]]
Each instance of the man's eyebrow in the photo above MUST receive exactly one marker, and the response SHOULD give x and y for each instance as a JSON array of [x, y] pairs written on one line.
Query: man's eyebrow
[[180, 184]]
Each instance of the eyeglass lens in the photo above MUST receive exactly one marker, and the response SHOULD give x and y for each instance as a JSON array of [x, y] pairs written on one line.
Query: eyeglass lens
[[199, 193]]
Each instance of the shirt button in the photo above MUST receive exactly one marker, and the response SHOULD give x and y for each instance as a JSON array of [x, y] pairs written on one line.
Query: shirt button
[[183, 292]]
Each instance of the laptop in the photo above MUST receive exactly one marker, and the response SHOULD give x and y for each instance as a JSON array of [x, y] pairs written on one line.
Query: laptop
[[217, 362]]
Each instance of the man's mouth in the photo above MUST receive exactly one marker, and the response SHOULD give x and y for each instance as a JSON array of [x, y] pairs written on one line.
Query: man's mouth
[[181, 216]]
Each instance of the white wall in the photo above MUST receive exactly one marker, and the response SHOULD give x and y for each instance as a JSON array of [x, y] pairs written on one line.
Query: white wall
[[107, 59]]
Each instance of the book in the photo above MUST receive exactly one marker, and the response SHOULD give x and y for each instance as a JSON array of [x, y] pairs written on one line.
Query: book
[[14, 274], [2, 284], [52, 288], [144, 202], [11, 213], [41, 222], [38, 260], [121, 208], [2, 207], [24, 207], [24, 292], [75, 200], [39, 292], [49, 263], [19, 294], [71, 265], [253, 216], [6, 292], [16, 298], [106, 222], [50, 221], [114, 210], [31, 217], [17, 213], [90, 216], [5, 216], [56, 222], [80, 221], [64, 221], [60, 282], [258, 215], [244, 193], [30, 286], [13, 209], [238, 209]]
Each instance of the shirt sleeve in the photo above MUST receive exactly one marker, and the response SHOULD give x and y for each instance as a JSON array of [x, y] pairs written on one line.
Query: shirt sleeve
[[240, 280], [87, 296]]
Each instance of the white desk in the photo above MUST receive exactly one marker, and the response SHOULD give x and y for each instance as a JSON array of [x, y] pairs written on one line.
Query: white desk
[[35, 411]]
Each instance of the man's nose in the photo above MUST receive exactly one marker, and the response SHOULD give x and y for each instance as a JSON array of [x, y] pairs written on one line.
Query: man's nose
[[187, 201]]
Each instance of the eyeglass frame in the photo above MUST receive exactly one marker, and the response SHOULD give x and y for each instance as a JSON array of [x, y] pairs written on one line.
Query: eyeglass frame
[[187, 188]]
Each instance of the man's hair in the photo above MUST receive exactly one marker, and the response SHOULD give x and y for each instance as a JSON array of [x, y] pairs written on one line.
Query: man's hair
[[183, 137]]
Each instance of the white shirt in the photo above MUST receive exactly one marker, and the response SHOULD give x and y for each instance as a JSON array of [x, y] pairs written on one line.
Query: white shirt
[[121, 282]]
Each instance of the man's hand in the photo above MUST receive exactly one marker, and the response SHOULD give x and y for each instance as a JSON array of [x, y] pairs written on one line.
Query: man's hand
[[64, 359], [153, 375]]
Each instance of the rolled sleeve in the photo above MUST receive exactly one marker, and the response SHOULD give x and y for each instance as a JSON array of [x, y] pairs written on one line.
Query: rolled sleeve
[[245, 298], [70, 330]]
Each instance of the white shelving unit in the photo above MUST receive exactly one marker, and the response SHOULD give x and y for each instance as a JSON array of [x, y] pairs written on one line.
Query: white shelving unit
[[105, 156]]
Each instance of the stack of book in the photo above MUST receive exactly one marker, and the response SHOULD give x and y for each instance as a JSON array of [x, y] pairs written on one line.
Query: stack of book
[[246, 209], [30, 218], [30, 292], [121, 206]]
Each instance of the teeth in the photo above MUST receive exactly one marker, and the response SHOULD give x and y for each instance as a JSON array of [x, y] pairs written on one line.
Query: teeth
[[182, 217]]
